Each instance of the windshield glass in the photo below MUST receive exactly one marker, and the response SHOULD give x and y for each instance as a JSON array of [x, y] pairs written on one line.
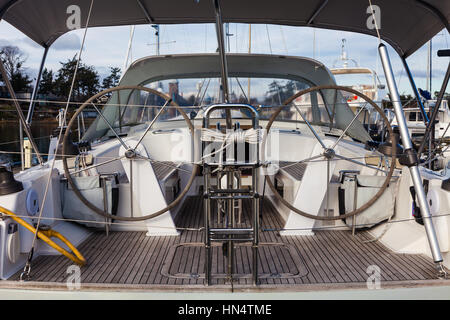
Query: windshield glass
[[203, 92], [124, 109], [193, 88]]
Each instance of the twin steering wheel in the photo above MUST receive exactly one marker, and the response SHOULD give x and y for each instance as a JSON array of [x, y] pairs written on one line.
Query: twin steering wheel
[[328, 153]]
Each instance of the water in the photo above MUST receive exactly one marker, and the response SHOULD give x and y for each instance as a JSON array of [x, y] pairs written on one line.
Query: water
[[10, 142]]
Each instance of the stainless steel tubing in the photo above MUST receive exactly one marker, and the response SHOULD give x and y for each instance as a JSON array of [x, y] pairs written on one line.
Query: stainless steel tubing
[[255, 172], [206, 177], [407, 143], [223, 59]]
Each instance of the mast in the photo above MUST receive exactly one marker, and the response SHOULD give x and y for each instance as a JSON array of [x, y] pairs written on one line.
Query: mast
[[249, 51], [223, 59], [156, 27], [127, 56], [429, 67], [314, 43]]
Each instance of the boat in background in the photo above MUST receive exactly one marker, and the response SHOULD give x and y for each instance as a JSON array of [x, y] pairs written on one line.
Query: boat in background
[[366, 81]]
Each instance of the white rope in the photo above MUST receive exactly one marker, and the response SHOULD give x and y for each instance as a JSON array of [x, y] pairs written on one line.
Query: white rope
[[238, 136], [251, 136], [375, 21]]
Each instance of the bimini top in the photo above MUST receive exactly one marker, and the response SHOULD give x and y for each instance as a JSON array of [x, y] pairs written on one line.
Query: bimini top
[[404, 24]]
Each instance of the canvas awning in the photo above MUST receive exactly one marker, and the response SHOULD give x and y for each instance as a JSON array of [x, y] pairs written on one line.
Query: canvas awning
[[405, 24]]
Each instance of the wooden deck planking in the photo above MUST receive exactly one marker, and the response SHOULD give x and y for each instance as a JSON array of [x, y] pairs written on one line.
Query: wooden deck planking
[[282, 258], [119, 247], [195, 237], [198, 251], [358, 261], [106, 248], [186, 262], [341, 262], [135, 241], [384, 260], [123, 265], [399, 260], [329, 256]]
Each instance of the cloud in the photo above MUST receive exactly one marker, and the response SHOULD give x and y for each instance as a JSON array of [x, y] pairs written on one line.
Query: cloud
[[68, 41], [4, 43], [30, 43], [107, 46], [422, 73]]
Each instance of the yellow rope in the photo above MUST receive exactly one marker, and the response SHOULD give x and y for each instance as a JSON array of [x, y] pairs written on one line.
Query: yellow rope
[[46, 236]]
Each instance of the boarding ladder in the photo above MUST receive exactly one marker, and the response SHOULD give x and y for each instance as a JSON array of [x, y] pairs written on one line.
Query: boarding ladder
[[224, 157]]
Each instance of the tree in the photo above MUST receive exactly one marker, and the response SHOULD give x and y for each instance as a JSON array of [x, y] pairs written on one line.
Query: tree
[[20, 82], [445, 97], [13, 60], [113, 79], [278, 93], [86, 83], [47, 83]]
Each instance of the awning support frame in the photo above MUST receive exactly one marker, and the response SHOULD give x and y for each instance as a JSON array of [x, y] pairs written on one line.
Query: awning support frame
[[223, 60], [412, 157], [36, 87], [416, 92], [431, 123]]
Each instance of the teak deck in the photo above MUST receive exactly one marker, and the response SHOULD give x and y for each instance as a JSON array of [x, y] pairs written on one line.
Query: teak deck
[[329, 257]]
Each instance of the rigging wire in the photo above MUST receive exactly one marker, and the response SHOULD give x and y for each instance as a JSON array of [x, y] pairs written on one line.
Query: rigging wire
[[17, 141], [199, 162], [263, 228]]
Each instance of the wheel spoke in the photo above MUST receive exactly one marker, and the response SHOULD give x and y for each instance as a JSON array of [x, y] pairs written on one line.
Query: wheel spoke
[[360, 163], [131, 187], [151, 123], [334, 110], [302, 161], [97, 165], [349, 125], [120, 111], [310, 127], [110, 127], [162, 163]]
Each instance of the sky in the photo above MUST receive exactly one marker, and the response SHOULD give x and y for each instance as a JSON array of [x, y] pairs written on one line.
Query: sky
[[107, 47]]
